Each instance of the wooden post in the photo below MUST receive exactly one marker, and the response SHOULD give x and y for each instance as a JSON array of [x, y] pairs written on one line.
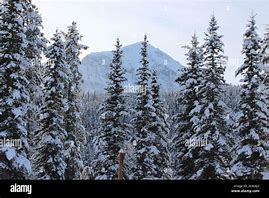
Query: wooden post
[[120, 170]]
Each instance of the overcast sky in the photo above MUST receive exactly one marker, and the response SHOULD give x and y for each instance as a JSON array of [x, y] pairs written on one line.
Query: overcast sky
[[169, 24]]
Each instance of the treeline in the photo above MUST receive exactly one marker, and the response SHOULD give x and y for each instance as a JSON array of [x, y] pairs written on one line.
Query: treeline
[[39, 102], [40, 105], [205, 138]]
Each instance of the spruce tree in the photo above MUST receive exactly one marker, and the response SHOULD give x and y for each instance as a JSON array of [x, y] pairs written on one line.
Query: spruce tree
[[36, 42], [50, 139], [14, 97], [113, 129], [144, 166], [36, 46], [209, 113], [265, 47], [265, 62], [189, 81], [160, 127], [76, 135], [251, 124]]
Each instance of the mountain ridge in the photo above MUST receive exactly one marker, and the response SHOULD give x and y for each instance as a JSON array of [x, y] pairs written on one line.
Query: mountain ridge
[[95, 67]]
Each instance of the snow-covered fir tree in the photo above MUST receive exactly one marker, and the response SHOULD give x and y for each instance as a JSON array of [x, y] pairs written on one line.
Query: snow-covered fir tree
[[14, 97], [265, 62], [144, 166], [251, 124], [49, 158], [76, 135], [189, 80], [209, 113], [265, 47], [113, 130], [36, 45], [161, 128]]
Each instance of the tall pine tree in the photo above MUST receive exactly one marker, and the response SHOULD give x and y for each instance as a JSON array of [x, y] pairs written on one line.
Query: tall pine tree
[[76, 135], [160, 127], [113, 129], [49, 159], [251, 125], [36, 46], [209, 113], [265, 61], [265, 47], [189, 81], [14, 97], [144, 168]]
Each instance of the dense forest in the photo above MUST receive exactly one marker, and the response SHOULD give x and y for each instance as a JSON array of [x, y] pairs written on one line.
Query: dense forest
[[208, 129]]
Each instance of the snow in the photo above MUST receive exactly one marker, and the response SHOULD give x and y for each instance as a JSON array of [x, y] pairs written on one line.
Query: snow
[[16, 94], [140, 151], [95, 73], [209, 147], [134, 143], [10, 153], [23, 162], [20, 21], [19, 6], [9, 101], [19, 160], [237, 168], [207, 112], [245, 149], [266, 67], [17, 112], [252, 51], [94, 68], [190, 81], [197, 108], [222, 141], [154, 150], [266, 175], [254, 135]]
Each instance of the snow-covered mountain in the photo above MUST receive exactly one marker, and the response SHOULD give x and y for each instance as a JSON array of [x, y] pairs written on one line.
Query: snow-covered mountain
[[95, 68]]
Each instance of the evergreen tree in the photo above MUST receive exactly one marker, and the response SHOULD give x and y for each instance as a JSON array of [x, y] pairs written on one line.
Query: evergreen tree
[[145, 149], [50, 139], [160, 127], [265, 47], [265, 61], [209, 113], [36, 45], [113, 129], [251, 125], [189, 81], [14, 97], [76, 135]]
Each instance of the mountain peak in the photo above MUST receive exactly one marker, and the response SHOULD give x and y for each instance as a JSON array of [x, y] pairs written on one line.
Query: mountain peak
[[137, 46], [95, 67]]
